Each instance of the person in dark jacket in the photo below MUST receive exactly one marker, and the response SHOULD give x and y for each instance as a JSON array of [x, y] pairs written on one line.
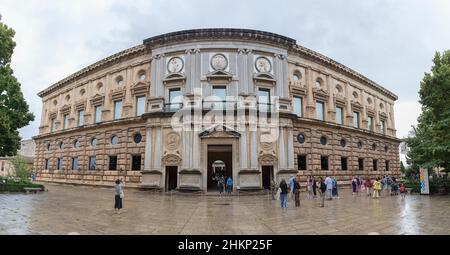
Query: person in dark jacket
[[118, 192], [322, 190], [297, 192], [283, 193], [314, 187]]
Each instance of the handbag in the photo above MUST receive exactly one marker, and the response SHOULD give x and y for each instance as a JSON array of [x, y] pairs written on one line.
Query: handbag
[[121, 194]]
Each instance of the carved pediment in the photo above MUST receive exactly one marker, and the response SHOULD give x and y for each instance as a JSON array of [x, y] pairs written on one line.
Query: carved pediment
[[219, 131], [267, 159], [339, 100], [52, 115], [264, 78], [171, 160], [117, 94], [219, 75], [97, 100], [383, 115], [80, 105], [140, 88], [356, 105], [320, 93], [174, 78], [370, 110], [298, 90], [65, 109]]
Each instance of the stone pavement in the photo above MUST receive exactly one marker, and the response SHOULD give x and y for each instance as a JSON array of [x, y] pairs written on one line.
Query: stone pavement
[[66, 209]]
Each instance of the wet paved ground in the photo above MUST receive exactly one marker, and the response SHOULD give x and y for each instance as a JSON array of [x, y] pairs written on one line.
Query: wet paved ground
[[89, 210]]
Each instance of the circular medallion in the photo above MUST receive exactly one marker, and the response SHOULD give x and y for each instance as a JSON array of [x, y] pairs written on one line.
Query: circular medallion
[[263, 65], [266, 146], [137, 138], [219, 62], [301, 138], [172, 141], [175, 65]]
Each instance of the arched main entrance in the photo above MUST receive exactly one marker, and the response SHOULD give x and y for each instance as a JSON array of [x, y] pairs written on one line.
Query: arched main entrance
[[220, 163]]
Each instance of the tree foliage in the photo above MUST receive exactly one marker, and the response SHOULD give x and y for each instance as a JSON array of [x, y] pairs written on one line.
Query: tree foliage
[[14, 112], [21, 169], [430, 144]]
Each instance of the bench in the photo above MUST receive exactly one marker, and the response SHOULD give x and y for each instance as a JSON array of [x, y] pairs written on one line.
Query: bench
[[35, 190]]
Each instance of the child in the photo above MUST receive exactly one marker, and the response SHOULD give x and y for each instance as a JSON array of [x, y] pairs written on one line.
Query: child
[[403, 190]]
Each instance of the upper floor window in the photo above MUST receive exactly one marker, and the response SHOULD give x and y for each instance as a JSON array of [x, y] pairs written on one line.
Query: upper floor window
[[175, 99], [75, 163], [92, 162], [382, 127], [60, 164], [263, 99], [66, 121], [220, 92], [318, 83], [52, 124], [76, 144], [114, 140], [297, 76], [370, 123], [80, 118], [47, 164], [98, 114], [356, 119], [140, 105], [320, 110], [117, 109], [61, 145], [298, 105], [119, 80], [339, 117], [141, 75]]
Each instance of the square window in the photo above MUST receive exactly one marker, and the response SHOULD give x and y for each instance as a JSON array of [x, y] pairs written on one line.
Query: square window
[[301, 161], [324, 162], [112, 162]]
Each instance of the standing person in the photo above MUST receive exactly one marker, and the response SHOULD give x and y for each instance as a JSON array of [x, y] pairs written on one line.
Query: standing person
[[335, 188], [118, 191], [354, 185], [230, 185], [376, 188], [368, 185], [329, 183], [274, 189], [314, 187], [283, 193], [220, 184], [297, 192], [322, 190], [309, 187], [291, 186], [403, 190]]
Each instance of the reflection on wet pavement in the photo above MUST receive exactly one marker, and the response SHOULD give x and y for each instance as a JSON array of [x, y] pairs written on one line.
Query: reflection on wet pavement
[[89, 210]]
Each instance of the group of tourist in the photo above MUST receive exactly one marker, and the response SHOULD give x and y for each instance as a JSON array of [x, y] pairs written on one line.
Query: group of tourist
[[328, 188], [223, 185]]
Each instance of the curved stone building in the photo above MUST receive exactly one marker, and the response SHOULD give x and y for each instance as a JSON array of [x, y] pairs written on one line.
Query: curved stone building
[[184, 108]]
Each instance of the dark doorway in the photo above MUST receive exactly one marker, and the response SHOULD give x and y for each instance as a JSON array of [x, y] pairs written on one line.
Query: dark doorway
[[171, 177], [220, 155], [267, 176], [136, 162]]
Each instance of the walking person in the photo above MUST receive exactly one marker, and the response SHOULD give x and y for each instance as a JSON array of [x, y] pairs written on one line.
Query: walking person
[[335, 188], [118, 191], [403, 190], [297, 192], [354, 185], [314, 187], [368, 185], [309, 187], [329, 183], [220, 184], [376, 188], [291, 187], [229, 185], [322, 190], [283, 193]]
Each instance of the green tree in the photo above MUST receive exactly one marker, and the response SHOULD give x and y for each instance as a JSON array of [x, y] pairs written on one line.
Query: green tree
[[21, 169], [14, 112], [429, 146]]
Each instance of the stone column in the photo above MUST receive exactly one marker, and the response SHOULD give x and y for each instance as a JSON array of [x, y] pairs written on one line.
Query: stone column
[[253, 150], [310, 105], [331, 107], [243, 150], [349, 111], [290, 148], [364, 117], [148, 149]]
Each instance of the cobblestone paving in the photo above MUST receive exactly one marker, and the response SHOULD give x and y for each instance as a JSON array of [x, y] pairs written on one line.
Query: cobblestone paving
[[66, 209]]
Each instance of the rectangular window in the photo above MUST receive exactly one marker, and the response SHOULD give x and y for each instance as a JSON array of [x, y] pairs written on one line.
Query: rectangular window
[[98, 114], [219, 93], [264, 100], [339, 118], [324, 162], [59, 163], [343, 163], [136, 162], [301, 160], [320, 110], [112, 162], [387, 165], [140, 105], [370, 123], [52, 124], [117, 109], [66, 121], [356, 119], [298, 106], [92, 162], [382, 128], [80, 118], [75, 163], [175, 99], [375, 165], [360, 164], [47, 164]]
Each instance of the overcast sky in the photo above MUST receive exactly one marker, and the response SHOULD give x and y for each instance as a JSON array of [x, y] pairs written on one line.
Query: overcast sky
[[390, 42]]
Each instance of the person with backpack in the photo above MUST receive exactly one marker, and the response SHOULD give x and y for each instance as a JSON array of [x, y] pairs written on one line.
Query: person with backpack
[[297, 192], [283, 193], [229, 185], [322, 190]]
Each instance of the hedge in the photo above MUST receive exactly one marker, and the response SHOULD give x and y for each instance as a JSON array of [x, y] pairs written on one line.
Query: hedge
[[11, 185]]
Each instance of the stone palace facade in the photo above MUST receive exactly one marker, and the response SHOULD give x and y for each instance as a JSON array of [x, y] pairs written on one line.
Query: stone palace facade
[[183, 108]]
